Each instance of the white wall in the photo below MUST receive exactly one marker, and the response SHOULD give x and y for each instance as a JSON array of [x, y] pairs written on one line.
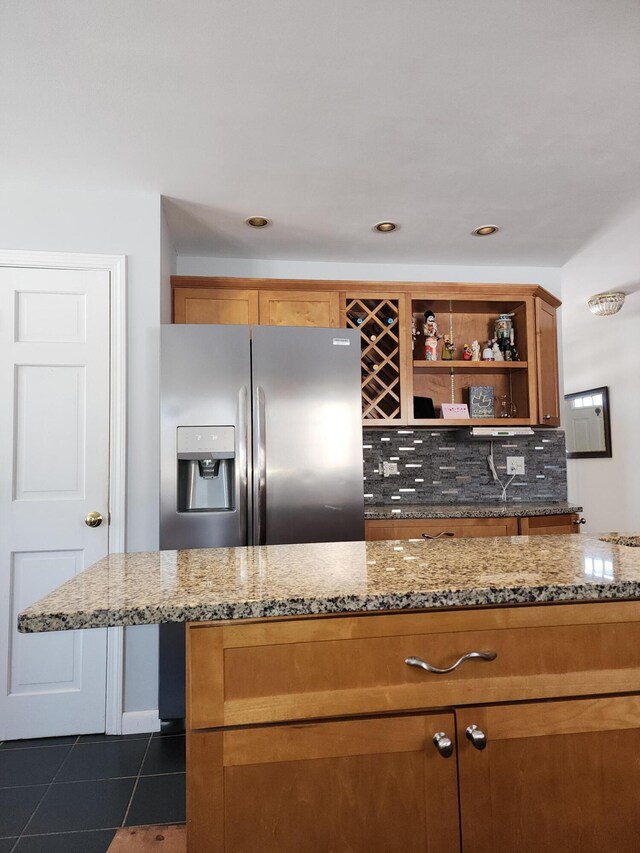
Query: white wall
[[127, 224], [547, 277], [604, 351], [168, 259]]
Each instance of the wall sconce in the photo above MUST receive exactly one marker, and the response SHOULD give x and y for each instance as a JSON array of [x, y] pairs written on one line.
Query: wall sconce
[[605, 304]]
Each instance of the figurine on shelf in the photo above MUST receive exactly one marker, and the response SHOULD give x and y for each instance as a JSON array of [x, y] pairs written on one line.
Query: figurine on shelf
[[467, 353], [431, 348], [430, 325], [431, 336], [448, 349], [475, 351], [487, 352], [497, 352]]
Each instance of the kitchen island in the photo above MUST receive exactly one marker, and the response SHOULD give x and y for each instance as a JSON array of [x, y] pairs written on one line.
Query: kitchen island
[[475, 695]]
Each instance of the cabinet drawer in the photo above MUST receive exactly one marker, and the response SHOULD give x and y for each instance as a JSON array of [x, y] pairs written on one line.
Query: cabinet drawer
[[547, 525], [376, 529], [274, 670]]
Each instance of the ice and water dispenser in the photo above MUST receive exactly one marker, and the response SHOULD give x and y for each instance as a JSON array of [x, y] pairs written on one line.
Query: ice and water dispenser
[[206, 468]]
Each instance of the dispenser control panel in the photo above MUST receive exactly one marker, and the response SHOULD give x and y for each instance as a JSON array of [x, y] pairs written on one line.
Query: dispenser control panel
[[199, 442]]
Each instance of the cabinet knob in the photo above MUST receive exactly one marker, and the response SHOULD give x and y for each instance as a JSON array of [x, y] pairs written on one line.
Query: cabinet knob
[[477, 737], [444, 744], [547, 417]]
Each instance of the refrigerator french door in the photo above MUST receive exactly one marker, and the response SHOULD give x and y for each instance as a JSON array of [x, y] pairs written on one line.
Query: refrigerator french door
[[261, 444]]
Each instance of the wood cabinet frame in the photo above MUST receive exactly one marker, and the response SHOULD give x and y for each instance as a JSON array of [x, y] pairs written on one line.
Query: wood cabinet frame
[[540, 306], [562, 671]]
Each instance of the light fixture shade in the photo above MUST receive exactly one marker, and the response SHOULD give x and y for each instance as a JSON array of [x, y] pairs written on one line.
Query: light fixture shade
[[604, 304]]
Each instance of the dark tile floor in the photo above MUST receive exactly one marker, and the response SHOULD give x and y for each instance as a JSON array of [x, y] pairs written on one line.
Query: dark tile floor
[[70, 794]]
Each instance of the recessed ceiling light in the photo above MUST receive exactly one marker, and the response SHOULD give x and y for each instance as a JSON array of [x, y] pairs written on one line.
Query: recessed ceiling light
[[385, 227], [258, 221], [485, 230]]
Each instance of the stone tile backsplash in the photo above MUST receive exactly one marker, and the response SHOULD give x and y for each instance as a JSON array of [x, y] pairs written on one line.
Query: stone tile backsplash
[[437, 467]]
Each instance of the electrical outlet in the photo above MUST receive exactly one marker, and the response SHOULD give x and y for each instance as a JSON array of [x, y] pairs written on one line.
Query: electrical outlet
[[388, 468], [515, 465]]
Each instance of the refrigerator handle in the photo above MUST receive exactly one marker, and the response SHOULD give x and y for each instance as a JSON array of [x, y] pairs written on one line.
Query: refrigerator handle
[[242, 467], [260, 477]]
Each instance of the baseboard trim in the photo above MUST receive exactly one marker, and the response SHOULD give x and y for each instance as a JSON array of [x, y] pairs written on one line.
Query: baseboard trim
[[138, 722]]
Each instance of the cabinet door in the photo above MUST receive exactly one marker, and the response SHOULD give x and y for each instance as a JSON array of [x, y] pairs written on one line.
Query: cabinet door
[[546, 525], [547, 355], [352, 786], [554, 776], [207, 305], [299, 308], [441, 528]]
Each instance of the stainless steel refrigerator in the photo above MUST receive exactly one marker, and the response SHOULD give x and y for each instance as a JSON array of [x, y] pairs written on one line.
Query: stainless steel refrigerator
[[261, 444]]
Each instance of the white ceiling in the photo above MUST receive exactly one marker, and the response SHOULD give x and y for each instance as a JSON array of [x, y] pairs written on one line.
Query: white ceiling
[[330, 116]]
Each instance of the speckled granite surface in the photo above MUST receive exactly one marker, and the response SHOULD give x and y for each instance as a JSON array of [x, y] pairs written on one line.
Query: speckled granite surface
[[281, 580], [475, 510], [632, 539]]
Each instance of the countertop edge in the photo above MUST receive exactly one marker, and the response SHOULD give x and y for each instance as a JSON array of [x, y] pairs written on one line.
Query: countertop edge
[[377, 513], [450, 598]]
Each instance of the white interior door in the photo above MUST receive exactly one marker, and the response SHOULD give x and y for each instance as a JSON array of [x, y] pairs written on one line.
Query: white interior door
[[54, 470]]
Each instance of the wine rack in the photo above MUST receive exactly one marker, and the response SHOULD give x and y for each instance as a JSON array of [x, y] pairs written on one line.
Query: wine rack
[[378, 323]]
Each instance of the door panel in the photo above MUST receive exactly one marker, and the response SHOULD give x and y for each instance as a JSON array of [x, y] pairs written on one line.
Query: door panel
[[353, 786], [223, 306], [554, 777], [547, 354], [55, 381], [303, 308], [306, 392], [41, 475], [44, 662]]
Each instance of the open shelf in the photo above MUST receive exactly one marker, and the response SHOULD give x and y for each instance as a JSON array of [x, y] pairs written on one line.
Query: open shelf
[[505, 423], [471, 365]]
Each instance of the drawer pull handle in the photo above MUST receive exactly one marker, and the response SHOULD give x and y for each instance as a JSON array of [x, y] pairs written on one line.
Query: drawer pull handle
[[444, 744], [579, 521], [469, 656], [477, 737], [438, 535]]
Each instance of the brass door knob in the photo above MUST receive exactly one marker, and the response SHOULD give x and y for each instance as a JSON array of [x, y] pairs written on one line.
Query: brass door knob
[[93, 519]]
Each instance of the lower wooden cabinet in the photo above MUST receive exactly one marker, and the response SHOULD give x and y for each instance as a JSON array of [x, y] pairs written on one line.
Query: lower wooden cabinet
[[547, 525], [553, 777], [438, 528], [353, 785], [537, 748], [449, 528]]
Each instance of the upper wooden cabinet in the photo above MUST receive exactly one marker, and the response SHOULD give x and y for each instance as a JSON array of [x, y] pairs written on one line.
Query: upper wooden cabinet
[[228, 301], [299, 308], [547, 354], [206, 305], [397, 381]]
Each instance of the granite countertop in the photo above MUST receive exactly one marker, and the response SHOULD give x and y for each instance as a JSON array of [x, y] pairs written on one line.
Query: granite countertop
[[474, 510], [336, 577], [632, 539]]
